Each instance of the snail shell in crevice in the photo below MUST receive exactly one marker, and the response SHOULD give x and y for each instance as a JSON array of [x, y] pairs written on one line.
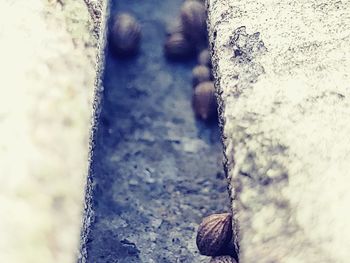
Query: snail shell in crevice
[[125, 35]]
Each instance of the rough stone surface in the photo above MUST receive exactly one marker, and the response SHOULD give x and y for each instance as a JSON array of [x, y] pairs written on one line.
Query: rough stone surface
[[48, 56], [282, 75], [156, 171]]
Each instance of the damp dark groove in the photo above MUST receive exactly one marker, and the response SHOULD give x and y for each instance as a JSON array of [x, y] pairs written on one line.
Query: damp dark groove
[[155, 170]]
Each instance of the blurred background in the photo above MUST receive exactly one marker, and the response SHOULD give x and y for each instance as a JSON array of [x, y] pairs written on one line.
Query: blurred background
[[48, 56]]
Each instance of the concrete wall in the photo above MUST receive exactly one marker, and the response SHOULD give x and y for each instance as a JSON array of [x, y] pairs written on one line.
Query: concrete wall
[[282, 75], [48, 55]]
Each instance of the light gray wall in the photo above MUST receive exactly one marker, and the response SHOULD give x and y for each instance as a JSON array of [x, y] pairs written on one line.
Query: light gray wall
[[48, 56], [286, 118]]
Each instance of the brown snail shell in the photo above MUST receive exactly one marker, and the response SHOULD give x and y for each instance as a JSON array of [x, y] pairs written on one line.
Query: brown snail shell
[[200, 74], [204, 101], [214, 233], [223, 259], [125, 35], [194, 20], [178, 47], [175, 27], [204, 58]]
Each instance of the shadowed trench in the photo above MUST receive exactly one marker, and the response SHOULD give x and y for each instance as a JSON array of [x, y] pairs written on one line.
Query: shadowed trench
[[156, 171]]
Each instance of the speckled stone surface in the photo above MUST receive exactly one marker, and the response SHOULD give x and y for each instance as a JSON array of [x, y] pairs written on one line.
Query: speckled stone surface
[[282, 75]]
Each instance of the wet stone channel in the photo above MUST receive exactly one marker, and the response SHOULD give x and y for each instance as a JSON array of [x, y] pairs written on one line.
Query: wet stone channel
[[156, 170]]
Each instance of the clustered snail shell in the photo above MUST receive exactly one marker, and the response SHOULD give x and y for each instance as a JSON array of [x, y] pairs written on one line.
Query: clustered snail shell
[[204, 58], [177, 47], [192, 26], [175, 27], [204, 101], [200, 74], [125, 35], [194, 20], [214, 234]]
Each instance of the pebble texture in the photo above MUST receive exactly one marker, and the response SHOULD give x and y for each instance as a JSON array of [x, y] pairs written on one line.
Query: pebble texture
[[282, 76], [48, 56]]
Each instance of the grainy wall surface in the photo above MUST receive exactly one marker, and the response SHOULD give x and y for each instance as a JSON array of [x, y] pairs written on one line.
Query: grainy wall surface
[[48, 56], [282, 74]]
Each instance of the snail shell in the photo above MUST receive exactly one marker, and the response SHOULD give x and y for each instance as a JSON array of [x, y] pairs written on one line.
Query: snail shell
[[200, 74], [194, 17], [178, 47], [175, 27], [204, 58], [204, 101], [214, 233], [125, 35]]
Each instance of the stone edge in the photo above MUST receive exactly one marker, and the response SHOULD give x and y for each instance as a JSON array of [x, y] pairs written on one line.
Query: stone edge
[[99, 15]]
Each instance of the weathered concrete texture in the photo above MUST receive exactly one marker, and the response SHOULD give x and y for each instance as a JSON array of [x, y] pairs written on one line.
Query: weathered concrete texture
[[282, 73], [47, 67]]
